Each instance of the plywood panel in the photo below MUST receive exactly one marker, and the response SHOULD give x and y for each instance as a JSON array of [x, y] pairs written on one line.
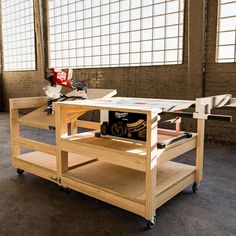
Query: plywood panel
[[49, 161], [126, 182]]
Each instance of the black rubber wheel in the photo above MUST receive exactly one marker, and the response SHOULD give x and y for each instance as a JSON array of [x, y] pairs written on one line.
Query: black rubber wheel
[[151, 223], [65, 190], [195, 187], [19, 171]]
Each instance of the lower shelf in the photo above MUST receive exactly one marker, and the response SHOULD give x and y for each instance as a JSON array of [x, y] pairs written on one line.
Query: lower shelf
[[125, 183], [38, 160]]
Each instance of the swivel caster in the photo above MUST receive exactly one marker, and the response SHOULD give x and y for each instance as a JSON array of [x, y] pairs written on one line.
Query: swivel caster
[[195, 187], [151, 223], [65, 190], [19, 171]]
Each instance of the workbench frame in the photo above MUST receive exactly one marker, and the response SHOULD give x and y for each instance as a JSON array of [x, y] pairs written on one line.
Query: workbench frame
[[147, 164], [69, 156]]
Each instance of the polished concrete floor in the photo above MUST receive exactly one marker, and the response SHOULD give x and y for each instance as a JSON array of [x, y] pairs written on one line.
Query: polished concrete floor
[[32, 206]]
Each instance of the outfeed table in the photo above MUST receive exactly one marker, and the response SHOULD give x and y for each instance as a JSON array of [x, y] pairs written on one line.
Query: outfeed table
[[133, 175]]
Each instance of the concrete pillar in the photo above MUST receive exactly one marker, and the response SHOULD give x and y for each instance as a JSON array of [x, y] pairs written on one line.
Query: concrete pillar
[[196, 26]]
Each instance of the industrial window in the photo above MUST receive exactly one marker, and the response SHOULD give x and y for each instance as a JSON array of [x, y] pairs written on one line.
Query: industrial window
[[18, 35], [106, 33], [226, 32]]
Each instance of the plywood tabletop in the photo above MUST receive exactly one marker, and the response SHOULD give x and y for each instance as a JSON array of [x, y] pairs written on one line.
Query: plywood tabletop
[[133, 104]]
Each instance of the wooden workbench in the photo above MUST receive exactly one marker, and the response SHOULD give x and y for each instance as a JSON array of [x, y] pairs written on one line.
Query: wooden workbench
[[133, 175]]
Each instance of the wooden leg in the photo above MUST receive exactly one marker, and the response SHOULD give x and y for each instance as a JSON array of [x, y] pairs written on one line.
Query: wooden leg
[[15, 131], [200, 149], [61, 130], [151, 165], [74, 127]]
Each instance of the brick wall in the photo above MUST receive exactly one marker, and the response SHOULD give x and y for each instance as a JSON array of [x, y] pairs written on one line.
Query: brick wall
[[171, 81], [220, 79]]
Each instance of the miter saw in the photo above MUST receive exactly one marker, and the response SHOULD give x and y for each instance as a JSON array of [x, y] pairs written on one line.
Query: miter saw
[[58, 78]]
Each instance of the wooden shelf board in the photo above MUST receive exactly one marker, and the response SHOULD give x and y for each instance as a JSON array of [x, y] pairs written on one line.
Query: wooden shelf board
[[125, 182], [48, 161], [38, 119], [88, 139]]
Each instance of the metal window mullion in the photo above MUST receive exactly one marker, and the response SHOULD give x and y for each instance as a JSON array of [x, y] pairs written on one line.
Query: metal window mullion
[[164, 62]]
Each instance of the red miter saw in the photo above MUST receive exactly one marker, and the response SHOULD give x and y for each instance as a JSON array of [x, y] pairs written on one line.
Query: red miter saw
[[58, 78]]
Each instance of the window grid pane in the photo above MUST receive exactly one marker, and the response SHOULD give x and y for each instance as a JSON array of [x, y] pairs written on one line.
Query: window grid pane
[[226, 32], [115, 33], [18, 35]]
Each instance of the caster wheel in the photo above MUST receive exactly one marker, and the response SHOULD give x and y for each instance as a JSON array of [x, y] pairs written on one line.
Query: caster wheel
[[65, 190], [195, 187], [151, 223], [19, 171]]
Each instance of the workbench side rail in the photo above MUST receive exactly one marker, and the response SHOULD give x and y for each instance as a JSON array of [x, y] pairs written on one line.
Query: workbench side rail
[[151, 165], [200, 150], [15, 131], [28, 102]]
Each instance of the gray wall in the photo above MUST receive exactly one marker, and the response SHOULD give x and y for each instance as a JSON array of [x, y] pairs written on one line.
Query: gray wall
[[183, 81]]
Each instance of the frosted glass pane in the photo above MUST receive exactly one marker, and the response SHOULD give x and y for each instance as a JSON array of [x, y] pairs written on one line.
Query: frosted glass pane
[[171, 55], [135, 36], [114, 59], [228, 10], [105, 39], [172, 31], [228, 24], [146, 34], [105, 50], [124, 16], [105, 60], [114, 49], [96, 61], [159, 33], [114, 18], [124, 58], [124, 27], [227, 38], [146, 57], [105, 29], [135, 14], [147, 11], [146, 23], [124, 48], [135, 3], [226, 51], [114, 38], [159, 9], [124, 37], [158, 44], [146, 45], [172, 43], [96, 11], [135, 25], [124, 5], [172, 19], [114, 7], [114, 28], [172, 6], [135, 58], [135, 47], [159, 21]]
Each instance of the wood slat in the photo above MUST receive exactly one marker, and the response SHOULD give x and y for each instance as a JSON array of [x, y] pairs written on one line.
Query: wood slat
[[35, 145], [126, 182]]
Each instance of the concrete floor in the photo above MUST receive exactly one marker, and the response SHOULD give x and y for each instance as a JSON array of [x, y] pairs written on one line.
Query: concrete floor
[[30, 205]]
